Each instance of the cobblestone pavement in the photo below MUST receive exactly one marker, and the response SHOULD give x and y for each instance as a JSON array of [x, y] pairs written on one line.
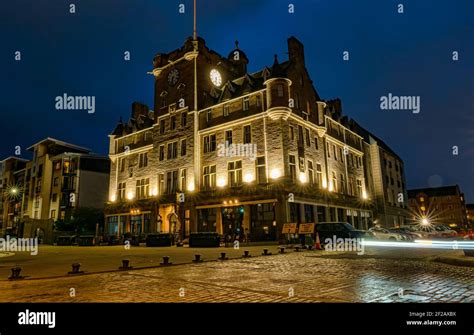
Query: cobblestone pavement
[[291, 277]]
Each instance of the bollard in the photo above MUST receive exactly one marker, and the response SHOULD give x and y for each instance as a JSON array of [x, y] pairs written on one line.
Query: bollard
[[266, 253], [223, 258], [297, 249], [282, 250], [197, 258], [125, 265], [310, 247], [15, 273], [246, 254], [166, 261], [75, 269]]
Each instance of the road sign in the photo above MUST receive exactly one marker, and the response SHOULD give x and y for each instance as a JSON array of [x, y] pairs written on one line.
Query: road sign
[[289, 228], [306, 228]]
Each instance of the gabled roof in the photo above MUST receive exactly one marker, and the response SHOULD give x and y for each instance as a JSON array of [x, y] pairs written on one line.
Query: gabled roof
[[14, 158], [50, 140]]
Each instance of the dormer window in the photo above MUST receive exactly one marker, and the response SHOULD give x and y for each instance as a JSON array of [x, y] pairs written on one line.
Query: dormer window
[[246, 104], [225, 110]]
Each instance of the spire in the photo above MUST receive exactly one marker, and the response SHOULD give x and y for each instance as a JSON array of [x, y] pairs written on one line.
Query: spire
[[236, 44], [275, 62]]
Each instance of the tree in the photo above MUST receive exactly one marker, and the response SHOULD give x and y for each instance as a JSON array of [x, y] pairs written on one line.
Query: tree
[[82, 221]]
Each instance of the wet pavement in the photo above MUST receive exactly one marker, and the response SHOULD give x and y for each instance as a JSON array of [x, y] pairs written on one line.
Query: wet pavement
[[292, 277]]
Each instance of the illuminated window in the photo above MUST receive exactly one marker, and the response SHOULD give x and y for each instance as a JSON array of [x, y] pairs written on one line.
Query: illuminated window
[[261, 170], [359, 187], [184, 119], [162, 126], [234, 170], [162, 153], [209, 143], [121, 191], [228, 136], [292, 133], [310, 173], [182, 180], [143, 160], [209, 177], [173, 122], [161, 183], [319, 172], [171, 182], [172, 150], [183, 147], [292, 164], [246, 104], [225, 110], [247, 134], [142, 188]]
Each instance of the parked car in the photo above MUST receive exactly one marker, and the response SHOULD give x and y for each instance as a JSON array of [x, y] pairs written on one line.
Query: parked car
[[337, 229], [445, 231], [380, 233], [406, 233], [424, 231]]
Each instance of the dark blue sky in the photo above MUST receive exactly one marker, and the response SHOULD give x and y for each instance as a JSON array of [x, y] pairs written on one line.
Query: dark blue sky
[[405, 54]]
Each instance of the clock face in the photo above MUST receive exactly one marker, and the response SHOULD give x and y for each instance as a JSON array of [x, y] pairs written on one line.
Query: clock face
[[216, 78], [173, 77]]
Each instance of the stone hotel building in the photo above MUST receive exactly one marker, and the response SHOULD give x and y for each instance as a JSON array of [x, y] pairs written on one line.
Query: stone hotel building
[[233, 152]]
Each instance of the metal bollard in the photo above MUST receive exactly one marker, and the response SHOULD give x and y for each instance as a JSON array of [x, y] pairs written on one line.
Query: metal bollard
[[166, 261], [282, 250], [125, 265], [75, 269], [266, 253], [197, 259], [246, 254], [15, 273], [297, 249], [223, 257]]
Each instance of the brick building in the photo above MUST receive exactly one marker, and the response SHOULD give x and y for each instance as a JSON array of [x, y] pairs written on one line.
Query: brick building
[[470, 215], [440, 205], [235, 152]]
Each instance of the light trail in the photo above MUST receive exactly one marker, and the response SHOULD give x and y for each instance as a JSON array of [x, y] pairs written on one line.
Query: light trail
[[423, 244]]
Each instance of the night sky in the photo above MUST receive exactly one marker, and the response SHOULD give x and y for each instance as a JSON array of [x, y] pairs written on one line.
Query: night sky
[[402, 54]]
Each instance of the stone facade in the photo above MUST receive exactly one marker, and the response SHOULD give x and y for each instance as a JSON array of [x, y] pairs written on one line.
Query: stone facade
[[294, 157]]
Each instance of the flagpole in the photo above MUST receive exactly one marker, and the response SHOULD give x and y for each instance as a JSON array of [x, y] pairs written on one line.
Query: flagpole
[[195, 29]]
